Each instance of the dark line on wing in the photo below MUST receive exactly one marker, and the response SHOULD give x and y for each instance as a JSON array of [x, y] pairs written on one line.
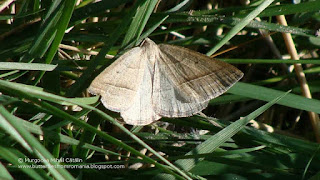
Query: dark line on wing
[[119, 87]]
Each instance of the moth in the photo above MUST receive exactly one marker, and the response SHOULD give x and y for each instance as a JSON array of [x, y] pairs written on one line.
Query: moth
[[153, 81]]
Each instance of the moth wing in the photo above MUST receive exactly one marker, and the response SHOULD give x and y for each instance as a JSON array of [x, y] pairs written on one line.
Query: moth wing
[[141, 111], [185, 81], [118, 83]]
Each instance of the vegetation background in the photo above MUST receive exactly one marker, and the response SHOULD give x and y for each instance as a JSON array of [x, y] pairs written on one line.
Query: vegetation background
[[51, 50]]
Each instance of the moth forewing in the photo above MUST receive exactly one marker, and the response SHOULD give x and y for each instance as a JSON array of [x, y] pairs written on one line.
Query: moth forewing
[[114, 84]]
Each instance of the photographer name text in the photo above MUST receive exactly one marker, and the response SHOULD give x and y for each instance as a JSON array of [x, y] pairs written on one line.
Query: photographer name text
[[59, 160]]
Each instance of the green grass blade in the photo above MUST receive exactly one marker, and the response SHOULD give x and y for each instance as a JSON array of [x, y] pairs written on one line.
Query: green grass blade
[[83, 12], [46, 33], [38, 130], [144, 10], [222, 136], [267, 94], [240, 26], [9, 122], [66, 12], [26, 66], [287, 9], [269, 61], [17, 159], [233, 21], [4, 174]]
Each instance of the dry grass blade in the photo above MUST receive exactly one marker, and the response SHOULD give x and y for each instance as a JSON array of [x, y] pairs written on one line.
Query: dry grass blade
[[314, 118]]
